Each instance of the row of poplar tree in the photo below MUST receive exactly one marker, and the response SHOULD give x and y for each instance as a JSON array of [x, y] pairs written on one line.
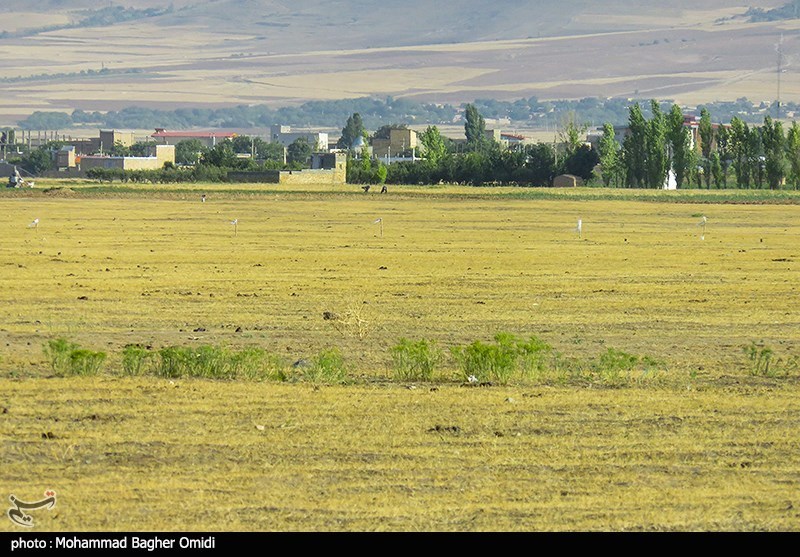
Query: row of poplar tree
[[723, 156]]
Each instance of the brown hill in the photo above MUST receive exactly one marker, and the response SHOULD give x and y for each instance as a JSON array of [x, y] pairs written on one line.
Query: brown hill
[[67, 54]]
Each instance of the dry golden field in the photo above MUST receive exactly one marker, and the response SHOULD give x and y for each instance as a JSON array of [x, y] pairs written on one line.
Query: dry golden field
[[700, 445]]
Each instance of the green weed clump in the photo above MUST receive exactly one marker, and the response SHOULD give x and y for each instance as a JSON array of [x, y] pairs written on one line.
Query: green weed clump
[[172, 362], [214, 362], [136, 359], [498, 362], [86, 362], [58, 353], [258, 364], [617, 368], [67, 358], [327, 367], [415, 360], [762, 361]]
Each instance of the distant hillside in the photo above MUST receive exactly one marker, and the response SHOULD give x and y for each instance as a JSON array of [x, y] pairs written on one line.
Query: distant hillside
[[291, 26], [63, 55]]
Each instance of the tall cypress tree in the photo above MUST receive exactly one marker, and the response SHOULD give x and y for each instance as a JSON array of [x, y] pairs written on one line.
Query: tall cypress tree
[[706, 132], [774, 142], [474, 127], [679, 144], [657, 164], [739, 147], [609, 155], [793, 152], [635, 147], [353, 129]]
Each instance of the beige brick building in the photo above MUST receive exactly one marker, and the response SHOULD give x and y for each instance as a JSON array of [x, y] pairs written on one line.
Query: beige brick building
[[399, 141], [163, 154]]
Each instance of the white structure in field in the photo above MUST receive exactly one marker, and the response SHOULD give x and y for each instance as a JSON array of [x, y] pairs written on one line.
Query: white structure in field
[[670, 183]]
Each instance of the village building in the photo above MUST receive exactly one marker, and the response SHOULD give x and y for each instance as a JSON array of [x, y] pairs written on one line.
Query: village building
[[207, 138], [286, 136], [326, 168], [400, 141], [162, 154]]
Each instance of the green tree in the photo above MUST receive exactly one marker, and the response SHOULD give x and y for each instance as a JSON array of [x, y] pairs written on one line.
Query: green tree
[[474, 128], [657, 163], [540, 166], [37, 161], [581, 162], [706, 132], [434, 146], [679, 144], [695, 171], [793, 154], [119, 150], [299, 152], [755, 156], [353, 129], [366, 160], [739, 147], [244, 144], [774, 143], [572, 134], [221, 155], [717, 170], [635, 147], [270, 151], [381, 173], [141, 149], [609, 155], [188, 151], [723, 144]]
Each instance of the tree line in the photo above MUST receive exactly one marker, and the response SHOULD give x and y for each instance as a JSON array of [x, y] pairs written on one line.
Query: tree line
[[478, 160], [655, 144], [717, 155], [374, 111]]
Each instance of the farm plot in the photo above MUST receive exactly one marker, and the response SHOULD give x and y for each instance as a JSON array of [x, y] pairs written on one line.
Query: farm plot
[[710, 446]]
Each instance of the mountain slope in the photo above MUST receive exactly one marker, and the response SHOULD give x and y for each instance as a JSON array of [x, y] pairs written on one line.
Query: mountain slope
[[67, 54]]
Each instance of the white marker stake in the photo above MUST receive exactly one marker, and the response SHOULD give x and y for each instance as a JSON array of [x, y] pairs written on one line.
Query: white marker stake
[[579, 228], [703, 224], [379, 221], [235, 223]]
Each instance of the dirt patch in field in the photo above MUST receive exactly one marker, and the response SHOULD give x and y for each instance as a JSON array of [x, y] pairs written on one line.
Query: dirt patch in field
[[60, 192]]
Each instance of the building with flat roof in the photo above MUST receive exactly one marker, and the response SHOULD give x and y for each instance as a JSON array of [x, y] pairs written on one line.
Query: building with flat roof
[[109, 138], [399, 141], [207, 138], [285, 136], [163, 154]]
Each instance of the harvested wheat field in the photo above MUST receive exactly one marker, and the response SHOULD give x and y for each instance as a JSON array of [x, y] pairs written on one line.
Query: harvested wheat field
[[239, 363]]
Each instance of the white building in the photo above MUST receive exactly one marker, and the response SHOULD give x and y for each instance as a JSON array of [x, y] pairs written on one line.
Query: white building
[[285, 136]]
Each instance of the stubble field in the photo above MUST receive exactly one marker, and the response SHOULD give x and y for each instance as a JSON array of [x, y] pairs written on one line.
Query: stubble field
[[702, 445]]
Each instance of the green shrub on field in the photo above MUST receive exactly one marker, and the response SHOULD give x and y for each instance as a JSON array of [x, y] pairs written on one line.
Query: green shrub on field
[[86, 362], [500, 361], [58, 353], [172, 362], [327, 367], [214, 362], [257, 363], [67, 358], [415, 360], [616, 367], [135, 359], [762, 361]]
